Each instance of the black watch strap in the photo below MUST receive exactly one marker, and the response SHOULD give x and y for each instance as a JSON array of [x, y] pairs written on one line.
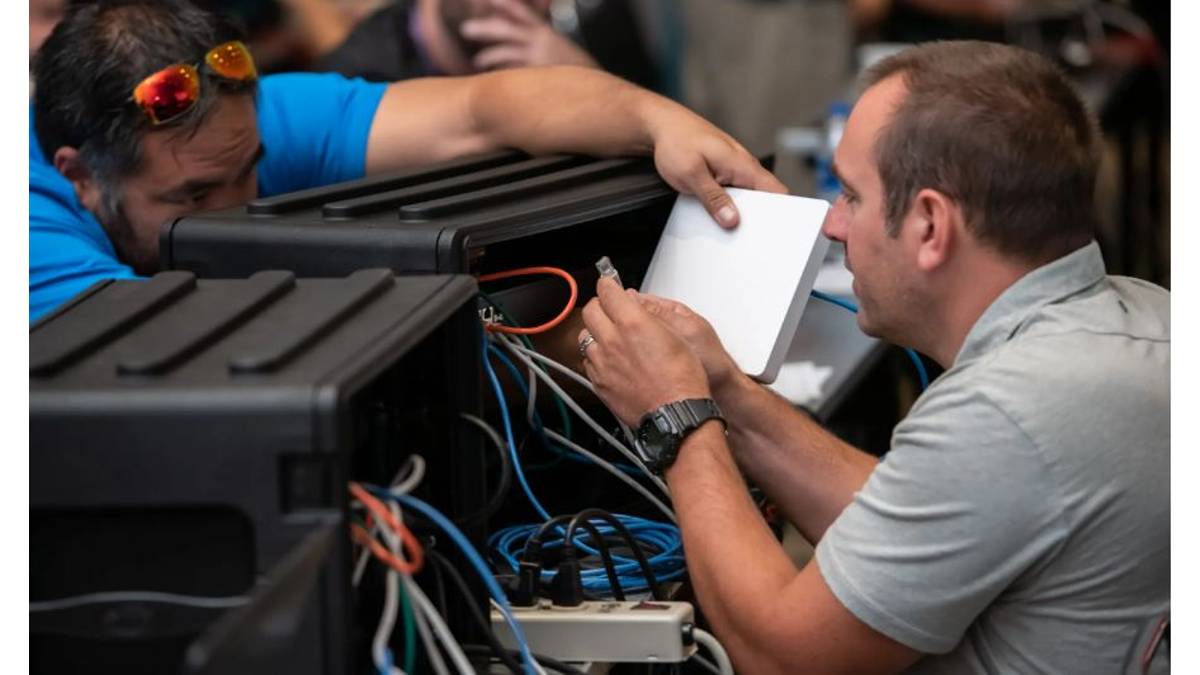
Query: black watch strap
[[670, 425]]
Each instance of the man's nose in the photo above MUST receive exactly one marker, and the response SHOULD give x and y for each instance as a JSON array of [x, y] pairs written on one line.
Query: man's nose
[[834, 226]]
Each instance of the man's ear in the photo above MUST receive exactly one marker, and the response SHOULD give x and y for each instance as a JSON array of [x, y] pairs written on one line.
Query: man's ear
[[939, 222], [68, 162]]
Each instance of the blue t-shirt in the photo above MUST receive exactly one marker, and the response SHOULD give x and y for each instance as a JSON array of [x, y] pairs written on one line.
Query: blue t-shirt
[[314, 128]]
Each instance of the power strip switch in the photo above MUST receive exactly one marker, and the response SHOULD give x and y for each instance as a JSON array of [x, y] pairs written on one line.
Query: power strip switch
[[604, 631]]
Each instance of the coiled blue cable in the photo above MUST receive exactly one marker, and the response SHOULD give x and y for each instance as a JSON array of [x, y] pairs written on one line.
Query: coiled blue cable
[[922, 375], [667, 563]]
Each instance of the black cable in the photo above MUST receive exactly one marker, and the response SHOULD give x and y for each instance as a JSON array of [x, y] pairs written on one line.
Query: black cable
[[439, 584], [553, 664], [610, 568], [533, 549], [635, 547], [506, 473], [476, 612], [496, 500]]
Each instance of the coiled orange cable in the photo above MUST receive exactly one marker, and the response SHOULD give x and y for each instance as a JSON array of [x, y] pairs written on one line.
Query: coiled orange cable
[[527, 271]]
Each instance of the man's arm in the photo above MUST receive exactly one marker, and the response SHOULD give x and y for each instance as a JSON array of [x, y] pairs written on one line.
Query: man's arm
[[561, 109], [808, 472], [771, 618]]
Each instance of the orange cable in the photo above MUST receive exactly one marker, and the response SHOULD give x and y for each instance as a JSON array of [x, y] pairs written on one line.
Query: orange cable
[[363, 537], [526, 271], [380, 511]]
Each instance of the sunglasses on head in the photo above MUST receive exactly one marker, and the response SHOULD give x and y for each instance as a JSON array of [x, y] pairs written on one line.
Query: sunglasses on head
[[173, 91]]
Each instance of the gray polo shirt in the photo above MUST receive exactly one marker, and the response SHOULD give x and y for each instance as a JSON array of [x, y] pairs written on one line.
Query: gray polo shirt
[[1021, 521]]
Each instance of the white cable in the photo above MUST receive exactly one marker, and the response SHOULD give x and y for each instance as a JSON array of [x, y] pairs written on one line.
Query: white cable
[[531, 402], [435, 657], [583, 381], [710, 642], [414, 471], [607, 466], [391, 603], [708, 665], [201, 601], [413, 478], [545, 377], [421, 603]]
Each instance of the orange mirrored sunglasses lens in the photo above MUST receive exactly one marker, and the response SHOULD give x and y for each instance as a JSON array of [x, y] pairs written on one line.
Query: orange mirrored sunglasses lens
[[168, 93], [231, 60]]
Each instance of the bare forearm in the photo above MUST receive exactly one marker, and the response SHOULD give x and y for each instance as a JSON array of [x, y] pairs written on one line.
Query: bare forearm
[[807, 471], [736, 565], [568, 109]]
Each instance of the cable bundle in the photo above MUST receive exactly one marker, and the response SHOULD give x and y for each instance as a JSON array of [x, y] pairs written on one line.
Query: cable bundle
[[667, 560]]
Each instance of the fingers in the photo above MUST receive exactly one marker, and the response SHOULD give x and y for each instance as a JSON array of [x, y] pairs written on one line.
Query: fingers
[[493, 29], [758, 178], [598, 323], [621, 307], [501, 56], [713, 197]]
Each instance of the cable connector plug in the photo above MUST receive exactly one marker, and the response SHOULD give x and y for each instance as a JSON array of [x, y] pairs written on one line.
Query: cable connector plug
[[567, 588], [528, 577]]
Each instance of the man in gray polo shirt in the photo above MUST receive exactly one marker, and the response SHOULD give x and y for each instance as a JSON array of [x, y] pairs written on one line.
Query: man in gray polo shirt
[[1020, 521]]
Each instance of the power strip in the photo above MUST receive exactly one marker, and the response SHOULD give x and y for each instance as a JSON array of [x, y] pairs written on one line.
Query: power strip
[[604, 631]]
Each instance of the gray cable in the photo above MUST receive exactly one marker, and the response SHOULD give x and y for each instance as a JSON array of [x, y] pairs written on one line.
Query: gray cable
[[422, 604], [708, 665], [607, 466], [518, 352], [198, 601], [713, 645]]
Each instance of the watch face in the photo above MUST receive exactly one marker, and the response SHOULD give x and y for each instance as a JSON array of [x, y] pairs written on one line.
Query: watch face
[[653, 434]]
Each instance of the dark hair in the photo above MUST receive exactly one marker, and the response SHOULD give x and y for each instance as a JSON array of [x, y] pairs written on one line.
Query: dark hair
[[999, 130], [85, 73]]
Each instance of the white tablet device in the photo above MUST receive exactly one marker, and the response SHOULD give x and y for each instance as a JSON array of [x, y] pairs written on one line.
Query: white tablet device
[[751, 282]]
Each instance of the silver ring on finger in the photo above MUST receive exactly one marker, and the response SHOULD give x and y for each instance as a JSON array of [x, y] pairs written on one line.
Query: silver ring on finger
[[585, 343]]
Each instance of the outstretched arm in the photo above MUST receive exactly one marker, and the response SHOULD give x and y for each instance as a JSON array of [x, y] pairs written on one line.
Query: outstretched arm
[[561, 109]]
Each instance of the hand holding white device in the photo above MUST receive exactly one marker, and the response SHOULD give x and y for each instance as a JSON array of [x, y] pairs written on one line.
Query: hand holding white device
[[751, 282]]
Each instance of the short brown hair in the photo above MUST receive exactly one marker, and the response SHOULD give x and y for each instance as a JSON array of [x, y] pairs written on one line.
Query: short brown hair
[[999, 130]]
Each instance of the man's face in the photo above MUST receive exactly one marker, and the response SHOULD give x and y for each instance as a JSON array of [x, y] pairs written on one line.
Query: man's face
[[883, 275], [183, 172]]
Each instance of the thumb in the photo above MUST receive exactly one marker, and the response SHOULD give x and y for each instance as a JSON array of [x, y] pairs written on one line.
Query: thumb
[[716, 201]]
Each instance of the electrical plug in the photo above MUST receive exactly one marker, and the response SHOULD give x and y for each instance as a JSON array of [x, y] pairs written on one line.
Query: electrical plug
[[567, 588]]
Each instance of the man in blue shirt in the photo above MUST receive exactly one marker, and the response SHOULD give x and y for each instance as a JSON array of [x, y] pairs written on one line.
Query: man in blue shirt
[[201, 131]]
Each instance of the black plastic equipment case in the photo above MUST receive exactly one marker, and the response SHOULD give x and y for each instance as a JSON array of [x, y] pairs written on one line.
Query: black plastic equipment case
[[188, 437], [470, 215], [474, 215]]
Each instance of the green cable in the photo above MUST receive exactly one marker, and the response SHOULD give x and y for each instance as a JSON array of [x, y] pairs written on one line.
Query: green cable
[[410, 637], [410, 640]]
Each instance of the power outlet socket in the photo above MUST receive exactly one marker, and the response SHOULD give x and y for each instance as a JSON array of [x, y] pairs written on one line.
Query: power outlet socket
[[604, 631]]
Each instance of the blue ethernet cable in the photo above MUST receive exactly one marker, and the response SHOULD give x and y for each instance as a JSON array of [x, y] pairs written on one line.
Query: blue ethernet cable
[[410, 502], [488, 349], [922, 375]]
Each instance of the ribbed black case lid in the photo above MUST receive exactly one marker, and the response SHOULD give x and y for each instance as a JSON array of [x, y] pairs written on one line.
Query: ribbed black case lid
[[174, 330]]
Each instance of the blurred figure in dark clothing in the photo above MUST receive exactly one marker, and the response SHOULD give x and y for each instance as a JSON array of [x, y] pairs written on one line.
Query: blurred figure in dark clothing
[[415, 38]]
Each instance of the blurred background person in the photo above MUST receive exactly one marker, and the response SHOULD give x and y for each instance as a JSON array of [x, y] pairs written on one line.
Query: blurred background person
[[415, 38]]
